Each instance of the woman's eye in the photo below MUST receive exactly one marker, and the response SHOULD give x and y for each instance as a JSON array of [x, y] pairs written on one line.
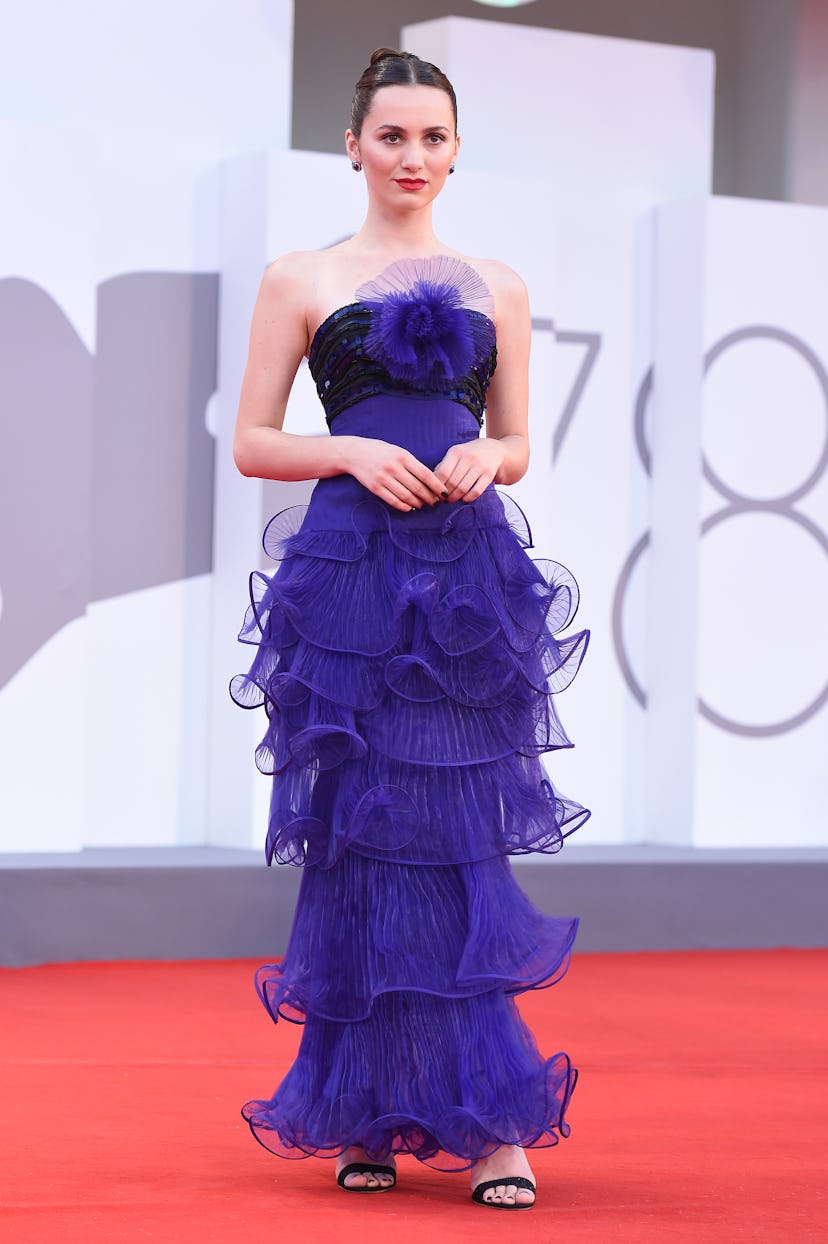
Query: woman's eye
[[440, 138], [390, 137]]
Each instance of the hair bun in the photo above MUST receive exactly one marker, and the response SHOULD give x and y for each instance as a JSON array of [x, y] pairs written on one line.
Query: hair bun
[[382, 53]]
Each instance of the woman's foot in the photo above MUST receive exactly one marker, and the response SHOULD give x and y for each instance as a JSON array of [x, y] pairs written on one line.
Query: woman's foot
[[504, 1165], [373, 1177]]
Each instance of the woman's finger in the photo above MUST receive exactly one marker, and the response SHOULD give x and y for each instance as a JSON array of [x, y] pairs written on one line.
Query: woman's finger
[[425, 476], [466, 482], [409, 492], [420, 489], [385, 494], [445, 468]]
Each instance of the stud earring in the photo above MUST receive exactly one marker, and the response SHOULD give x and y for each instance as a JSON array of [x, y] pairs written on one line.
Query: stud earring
[[451, 168], [356, 166]]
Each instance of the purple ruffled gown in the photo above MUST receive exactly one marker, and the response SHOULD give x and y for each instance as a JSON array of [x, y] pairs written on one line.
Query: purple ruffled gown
[[407, 663]]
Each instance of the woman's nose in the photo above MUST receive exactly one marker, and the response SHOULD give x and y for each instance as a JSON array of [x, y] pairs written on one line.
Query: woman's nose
[[412, 157]]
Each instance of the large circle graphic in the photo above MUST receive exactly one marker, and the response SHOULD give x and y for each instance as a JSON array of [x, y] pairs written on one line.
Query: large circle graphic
[[623, 657], [759, 332], [773, 600], [740, 503]]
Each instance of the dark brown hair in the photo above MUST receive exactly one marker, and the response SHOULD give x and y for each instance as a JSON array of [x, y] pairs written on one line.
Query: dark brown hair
[[391, 68]]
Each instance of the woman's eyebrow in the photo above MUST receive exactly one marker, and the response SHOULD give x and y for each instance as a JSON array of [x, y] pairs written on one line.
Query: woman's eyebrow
[[389, 125]]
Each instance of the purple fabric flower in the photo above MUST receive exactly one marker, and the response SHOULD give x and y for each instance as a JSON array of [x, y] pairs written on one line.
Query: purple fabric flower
[[421, 331]]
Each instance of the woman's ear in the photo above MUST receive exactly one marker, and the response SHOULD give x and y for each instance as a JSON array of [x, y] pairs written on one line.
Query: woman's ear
[[351, 145]]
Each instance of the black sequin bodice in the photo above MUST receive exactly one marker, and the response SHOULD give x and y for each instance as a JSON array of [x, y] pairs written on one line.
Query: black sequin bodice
[[345, 370]]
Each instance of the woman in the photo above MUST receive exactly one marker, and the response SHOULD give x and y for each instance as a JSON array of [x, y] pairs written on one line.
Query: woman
[[406, 660]]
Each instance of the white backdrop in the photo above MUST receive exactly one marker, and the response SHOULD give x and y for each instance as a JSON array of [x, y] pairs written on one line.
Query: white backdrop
[[113, 119], [738, 718], [126, 155]]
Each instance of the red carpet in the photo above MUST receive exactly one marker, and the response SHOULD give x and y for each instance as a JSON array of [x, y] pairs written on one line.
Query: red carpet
[[700, 1115]]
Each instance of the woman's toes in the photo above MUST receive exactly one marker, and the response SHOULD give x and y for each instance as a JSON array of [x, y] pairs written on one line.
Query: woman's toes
[[358, 1179], [362, 1178], [509, 1194], [367, 1179], [378, 1180]]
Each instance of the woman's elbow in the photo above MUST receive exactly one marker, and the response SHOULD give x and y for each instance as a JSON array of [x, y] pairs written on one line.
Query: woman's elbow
[[242, 457]]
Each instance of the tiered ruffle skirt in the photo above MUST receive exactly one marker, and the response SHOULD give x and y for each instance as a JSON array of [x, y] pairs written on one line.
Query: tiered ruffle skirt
[[407, 664]]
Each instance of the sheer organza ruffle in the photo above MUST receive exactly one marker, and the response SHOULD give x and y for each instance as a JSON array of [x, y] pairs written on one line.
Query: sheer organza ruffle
[[416, 662], [454, 932], [420, 327], [438, 278], [464, 1078]]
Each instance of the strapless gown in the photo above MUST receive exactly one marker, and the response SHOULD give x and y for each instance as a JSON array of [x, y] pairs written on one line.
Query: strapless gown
[[407, 664]]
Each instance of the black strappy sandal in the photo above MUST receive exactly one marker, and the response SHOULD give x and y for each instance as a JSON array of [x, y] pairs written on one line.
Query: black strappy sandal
[[515, 1181], [366, 1168]]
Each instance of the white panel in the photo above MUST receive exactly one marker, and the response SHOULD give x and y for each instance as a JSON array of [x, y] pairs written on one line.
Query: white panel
[[146, 722], [675, 445], [167, 89], [755, 586], [764, 571], [43, 747], [48, 220], [581, 507], [49, 216]]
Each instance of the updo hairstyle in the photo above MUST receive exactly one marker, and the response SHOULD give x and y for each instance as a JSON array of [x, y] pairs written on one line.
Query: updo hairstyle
[[391, 68]]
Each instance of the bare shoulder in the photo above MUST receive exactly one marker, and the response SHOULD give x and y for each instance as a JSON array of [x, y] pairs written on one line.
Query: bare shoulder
[[290, 274], [292, 287], [502, 280], [508, 288]]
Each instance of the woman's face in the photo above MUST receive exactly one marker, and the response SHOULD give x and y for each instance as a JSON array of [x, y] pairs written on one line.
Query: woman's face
[[407, 145]]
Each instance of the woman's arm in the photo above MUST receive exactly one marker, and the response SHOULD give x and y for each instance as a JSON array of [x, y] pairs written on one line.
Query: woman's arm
[[279, 338], [278, 341], [502, 454]]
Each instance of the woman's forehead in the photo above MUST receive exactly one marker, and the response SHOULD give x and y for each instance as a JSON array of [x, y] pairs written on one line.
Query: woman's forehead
[[396, 100]]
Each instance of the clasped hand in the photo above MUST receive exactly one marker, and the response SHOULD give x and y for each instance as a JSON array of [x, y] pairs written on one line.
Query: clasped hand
[[396, 476]]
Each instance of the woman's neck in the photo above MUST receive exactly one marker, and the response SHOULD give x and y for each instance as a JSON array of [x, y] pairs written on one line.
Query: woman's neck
[[409, 233]]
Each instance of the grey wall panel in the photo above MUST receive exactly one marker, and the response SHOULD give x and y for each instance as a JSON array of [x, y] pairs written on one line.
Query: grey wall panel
[[46, 384], [106, 466], [153, 467]]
